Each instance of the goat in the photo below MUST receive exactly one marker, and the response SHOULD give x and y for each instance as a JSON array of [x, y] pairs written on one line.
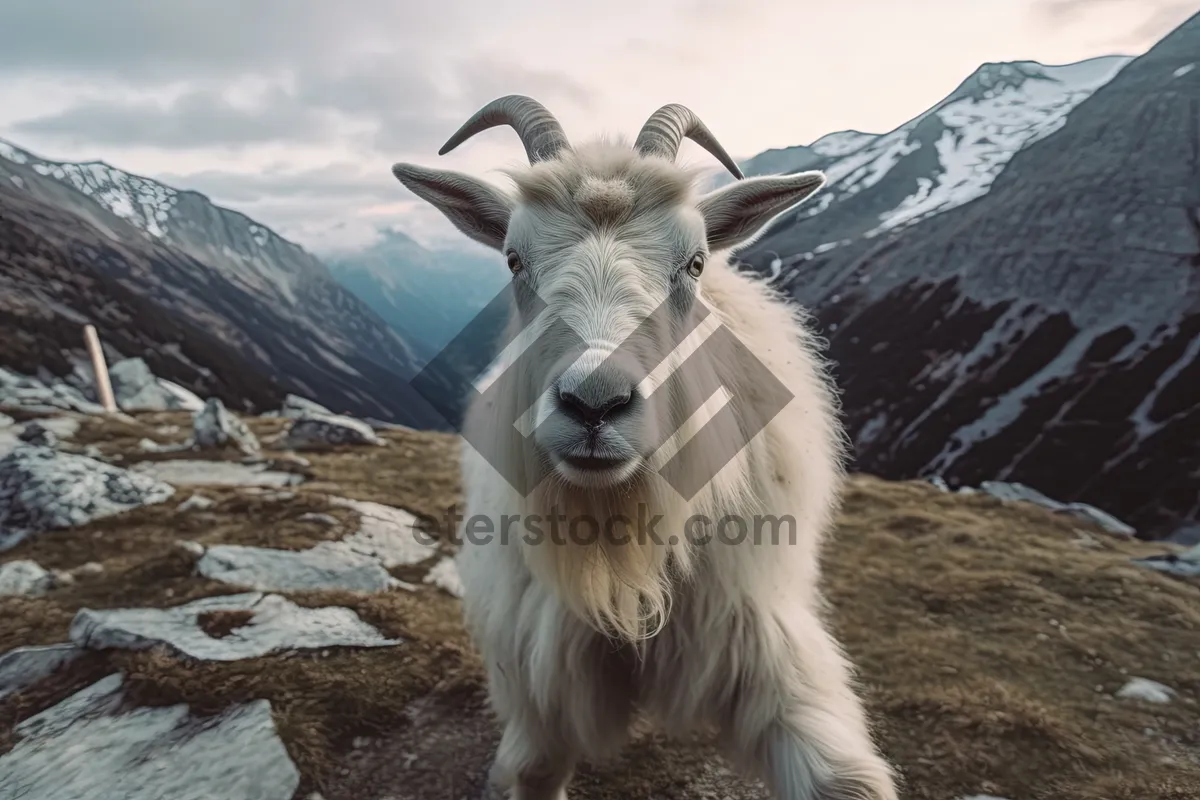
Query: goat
[[578, 637]]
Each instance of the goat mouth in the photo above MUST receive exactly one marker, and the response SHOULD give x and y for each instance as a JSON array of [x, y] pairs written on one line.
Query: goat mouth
[[595, 470], [594, 463]]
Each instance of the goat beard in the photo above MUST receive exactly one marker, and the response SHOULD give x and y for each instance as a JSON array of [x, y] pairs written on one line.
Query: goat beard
[[620, 578]]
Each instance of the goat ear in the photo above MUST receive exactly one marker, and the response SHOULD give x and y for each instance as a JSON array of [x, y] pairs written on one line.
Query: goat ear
[[736, 214], [476, 208]]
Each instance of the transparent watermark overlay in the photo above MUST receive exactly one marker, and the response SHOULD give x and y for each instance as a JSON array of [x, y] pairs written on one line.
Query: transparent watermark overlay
[[643, 528], [458, 366]]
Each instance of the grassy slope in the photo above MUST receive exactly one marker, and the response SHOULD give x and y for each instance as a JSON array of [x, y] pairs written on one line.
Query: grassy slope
[[990, 640]]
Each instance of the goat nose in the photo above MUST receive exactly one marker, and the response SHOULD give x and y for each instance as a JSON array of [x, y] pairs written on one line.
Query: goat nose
[[590, 397], [592, 411]]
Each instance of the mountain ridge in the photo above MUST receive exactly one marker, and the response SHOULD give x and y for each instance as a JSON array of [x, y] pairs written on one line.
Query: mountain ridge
[[1051, 315], [430, 295], [341, 352]]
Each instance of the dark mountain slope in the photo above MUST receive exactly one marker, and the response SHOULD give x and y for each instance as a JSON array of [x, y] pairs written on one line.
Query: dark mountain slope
[[252, 296], [1048, 331], [60, 268]]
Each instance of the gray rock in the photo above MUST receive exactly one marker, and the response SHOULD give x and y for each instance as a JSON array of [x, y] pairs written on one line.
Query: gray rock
[[24, 578], [180, 396], [266, 569], [1099, 518], [135, 388], [295, 407], [380, 425], [151, 446], [43, 489], [25, 666], [215, 427], [292, 459], [6, 420], [1186, 535], [90, 568], [89, 748], [320, 519], [196, 503], [386, 537], [191, 472], [37, 434], [1146, 690], [34, 395], [444, 575], [319, 431], [60, 578], [1014, 492], [389, 534], [1184, 565], [275, 624], [193, 549], [44, 432]]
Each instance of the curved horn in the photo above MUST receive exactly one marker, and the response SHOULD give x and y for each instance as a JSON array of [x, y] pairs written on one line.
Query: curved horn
[[667, 128], [540, 132]]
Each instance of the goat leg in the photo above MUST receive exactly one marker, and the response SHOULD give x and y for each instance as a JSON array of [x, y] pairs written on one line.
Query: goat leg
[[800, 726], [530, 769]]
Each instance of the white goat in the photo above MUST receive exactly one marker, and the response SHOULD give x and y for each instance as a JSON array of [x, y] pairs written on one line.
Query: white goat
[[689, 628]]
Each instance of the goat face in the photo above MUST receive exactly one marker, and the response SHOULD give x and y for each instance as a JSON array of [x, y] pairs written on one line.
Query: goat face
[[607, 245], [619, 278]]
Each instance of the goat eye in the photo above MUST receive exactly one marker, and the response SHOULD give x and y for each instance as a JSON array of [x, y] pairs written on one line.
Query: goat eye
[[514, 262], [696, 265]]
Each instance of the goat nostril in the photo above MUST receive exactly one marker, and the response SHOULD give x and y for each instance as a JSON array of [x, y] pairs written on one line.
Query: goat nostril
[[592, 411]]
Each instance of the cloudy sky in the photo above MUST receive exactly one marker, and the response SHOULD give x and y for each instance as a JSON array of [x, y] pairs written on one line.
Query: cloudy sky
[[292, 111]]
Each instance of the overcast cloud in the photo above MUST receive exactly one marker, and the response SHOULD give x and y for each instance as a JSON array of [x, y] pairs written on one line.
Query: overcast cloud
[[292, 111]]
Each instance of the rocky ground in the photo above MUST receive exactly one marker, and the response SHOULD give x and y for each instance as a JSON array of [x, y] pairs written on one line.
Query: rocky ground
[[269, 626]]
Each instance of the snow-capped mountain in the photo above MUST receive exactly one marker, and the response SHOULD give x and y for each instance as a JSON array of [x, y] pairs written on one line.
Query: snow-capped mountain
[[266, 309], [940, 159], [428, 296], [1010, 287]]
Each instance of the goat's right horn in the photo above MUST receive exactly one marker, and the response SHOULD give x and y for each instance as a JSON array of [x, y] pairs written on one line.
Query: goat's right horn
[[540, 132], [669, 126]]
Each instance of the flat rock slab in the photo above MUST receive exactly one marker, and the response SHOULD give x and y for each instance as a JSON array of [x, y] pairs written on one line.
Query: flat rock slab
[[272, 623], [269, 570], [25, 666], [43, 489], [295, 406], [386, 537], [195, 472], [1019, 492], [390, 534], [87, 748]]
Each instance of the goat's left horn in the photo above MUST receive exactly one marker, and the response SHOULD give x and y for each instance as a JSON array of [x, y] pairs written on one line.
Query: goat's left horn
[[669, 126], [539, 130]]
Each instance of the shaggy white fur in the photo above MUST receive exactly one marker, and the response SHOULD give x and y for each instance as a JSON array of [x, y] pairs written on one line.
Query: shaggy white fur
[[690, 630]]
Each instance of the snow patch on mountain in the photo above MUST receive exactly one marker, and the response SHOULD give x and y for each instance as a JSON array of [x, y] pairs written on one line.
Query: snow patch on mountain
[[842, 143], [1000, 109], [144, 203]]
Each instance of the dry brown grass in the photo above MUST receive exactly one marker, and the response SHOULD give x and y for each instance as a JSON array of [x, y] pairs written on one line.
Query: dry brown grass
[[989, 640]]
